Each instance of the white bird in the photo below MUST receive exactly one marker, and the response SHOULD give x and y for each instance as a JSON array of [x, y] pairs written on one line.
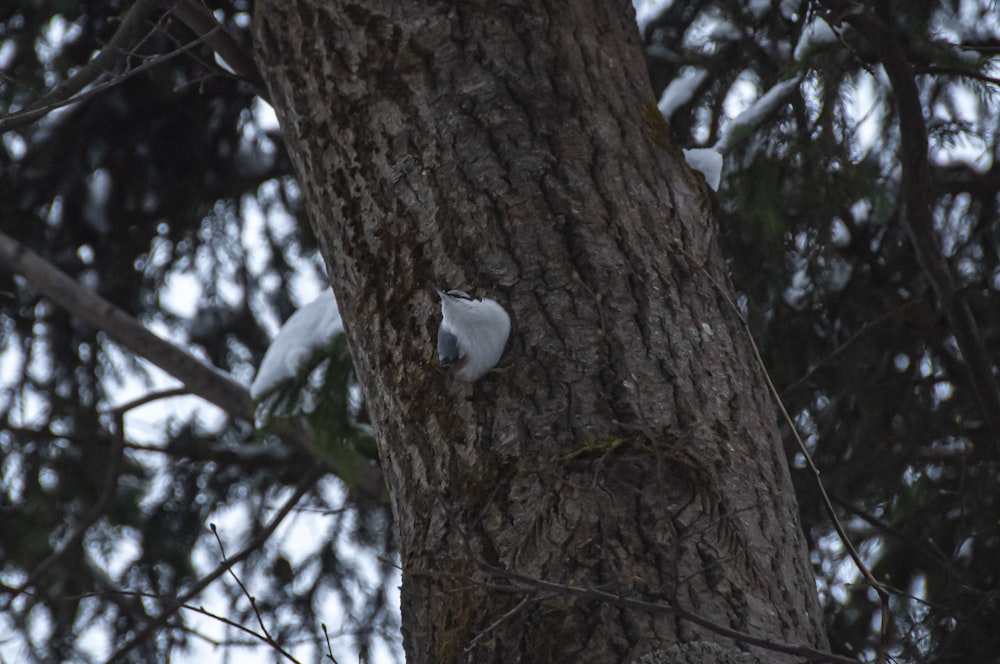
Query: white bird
[[472, 334]]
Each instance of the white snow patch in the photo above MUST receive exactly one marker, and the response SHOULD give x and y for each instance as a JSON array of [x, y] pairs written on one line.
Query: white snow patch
[[760, 109], [817, 33], [680, 91], [719, 30], [759, 7], [708, 162], [306, 330], [646, 11], [264, 115]]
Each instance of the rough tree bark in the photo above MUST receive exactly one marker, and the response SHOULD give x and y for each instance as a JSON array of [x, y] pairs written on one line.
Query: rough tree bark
[[514, 149]]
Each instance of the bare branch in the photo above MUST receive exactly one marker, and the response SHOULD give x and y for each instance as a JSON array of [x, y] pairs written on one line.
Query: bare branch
[[199, 378], [14, 120], [591, 593], [196, 16], [329, 652], [959, 178], [252, 545], [129, 34], [963, 73], [878, 587], [114, 593], [594, 594], [931, 554], [232, 623], [253, 600], [510, 614], [865, 328], [149, 398]]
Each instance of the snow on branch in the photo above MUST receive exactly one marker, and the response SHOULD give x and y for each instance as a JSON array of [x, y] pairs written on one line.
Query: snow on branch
[[814, 35], [680, 91], [767, 104], [305, 331]]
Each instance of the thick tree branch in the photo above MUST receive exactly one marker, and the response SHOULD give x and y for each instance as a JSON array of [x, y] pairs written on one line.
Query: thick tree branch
[[202, 380], [196, 16], [960, 178], [916, 212], [956, 71], [199, 379]]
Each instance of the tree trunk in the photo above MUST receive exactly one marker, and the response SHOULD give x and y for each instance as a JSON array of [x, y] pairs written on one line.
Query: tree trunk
[[514, 150]]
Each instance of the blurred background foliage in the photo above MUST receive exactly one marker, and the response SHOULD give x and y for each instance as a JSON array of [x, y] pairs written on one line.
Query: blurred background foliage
[[171, 195], [848, 324]]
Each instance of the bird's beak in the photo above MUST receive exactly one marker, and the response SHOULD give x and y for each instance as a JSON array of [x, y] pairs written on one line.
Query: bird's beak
[[440, 293]]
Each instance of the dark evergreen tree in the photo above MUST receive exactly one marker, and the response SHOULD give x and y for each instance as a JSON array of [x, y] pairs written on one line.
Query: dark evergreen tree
[[142, 193], [863, 337]]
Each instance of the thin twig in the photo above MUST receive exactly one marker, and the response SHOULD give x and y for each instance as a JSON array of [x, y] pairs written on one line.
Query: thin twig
[[329, 650], [599, 595], [232, 623], [255, 543], [27, 116], [934, 555], [246, 593], [122, 44], [594, 594], [96, 511], [827, 504], [149, 398], [510, 614], [124, 39], [865, 328], [112, 593]]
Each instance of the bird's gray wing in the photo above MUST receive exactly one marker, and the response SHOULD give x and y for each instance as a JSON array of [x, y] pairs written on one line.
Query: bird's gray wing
[[447, 347]]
